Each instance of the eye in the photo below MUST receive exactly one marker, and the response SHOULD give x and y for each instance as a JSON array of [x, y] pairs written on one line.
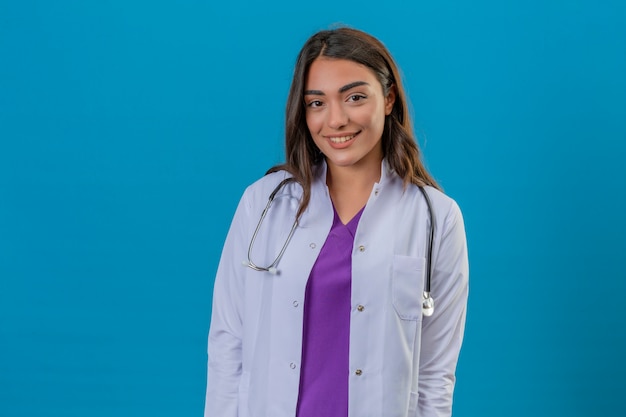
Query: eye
[[314, 103], [356, 97]]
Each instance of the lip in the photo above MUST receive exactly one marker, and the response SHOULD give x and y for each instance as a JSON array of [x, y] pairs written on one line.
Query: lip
[[341, 145]]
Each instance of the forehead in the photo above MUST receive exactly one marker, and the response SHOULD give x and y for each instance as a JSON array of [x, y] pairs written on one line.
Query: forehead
[[328, 74]]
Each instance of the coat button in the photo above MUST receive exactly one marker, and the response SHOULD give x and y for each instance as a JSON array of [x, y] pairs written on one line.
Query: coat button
[[376, 192], [296, 304], [361, 248], [292, 365], [360, 307], [312, 245], [358, 372]]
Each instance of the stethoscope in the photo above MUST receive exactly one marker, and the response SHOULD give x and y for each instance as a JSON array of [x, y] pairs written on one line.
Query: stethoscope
[[428, 304]]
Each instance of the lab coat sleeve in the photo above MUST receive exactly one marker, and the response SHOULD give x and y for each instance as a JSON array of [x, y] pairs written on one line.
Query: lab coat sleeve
[[225, 333], [442, 333]]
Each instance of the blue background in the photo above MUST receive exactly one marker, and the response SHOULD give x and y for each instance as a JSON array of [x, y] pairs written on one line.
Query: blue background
[[129, 129]]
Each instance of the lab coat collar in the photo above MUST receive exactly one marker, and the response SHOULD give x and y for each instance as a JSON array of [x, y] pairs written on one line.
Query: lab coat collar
[[320, 196], [386, 173]]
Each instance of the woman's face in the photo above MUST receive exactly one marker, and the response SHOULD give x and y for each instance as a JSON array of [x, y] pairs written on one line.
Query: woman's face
[[345, 112]]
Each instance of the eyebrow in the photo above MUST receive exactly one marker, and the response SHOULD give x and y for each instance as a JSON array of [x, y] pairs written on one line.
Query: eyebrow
[[341, 90]]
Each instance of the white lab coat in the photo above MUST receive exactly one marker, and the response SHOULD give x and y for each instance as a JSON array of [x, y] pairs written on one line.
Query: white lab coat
[[401, 363]]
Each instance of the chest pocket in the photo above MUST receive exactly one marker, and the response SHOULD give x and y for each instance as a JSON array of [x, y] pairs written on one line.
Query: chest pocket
[[407, 285]]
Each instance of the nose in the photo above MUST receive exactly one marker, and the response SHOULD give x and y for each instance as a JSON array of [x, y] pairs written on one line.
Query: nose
[[337, 116]]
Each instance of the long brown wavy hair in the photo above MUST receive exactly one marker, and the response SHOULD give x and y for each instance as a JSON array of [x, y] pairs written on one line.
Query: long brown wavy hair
[[399, 146]]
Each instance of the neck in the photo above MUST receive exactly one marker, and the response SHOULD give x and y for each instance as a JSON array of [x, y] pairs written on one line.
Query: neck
[[350, 187], [344, 179]]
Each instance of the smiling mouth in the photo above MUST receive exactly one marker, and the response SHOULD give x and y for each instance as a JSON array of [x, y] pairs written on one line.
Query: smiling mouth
[[341, 139]]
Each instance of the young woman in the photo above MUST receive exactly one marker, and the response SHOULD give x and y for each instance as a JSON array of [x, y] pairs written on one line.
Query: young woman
[[343, 247]]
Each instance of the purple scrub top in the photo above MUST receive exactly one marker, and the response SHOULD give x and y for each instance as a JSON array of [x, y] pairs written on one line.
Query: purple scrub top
[[326, 331]]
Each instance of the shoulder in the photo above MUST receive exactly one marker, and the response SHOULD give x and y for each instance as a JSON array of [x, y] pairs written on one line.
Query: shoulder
[[441, 204], [260, 190], [441, 201], [267, 181], [445, 209], [447, 212]]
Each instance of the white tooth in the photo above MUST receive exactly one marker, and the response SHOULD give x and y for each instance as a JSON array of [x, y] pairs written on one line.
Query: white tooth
[[341, 139]]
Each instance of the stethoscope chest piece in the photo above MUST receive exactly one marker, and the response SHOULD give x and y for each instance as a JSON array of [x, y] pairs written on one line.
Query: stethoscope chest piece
[[428, 305]]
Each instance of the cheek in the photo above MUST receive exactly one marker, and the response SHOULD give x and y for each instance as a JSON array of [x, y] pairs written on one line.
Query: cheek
[[373, 118], [382, 117], [313, 122]]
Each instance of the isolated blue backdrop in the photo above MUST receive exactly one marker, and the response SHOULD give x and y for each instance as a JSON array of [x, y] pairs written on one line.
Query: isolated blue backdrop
[[129, 129]]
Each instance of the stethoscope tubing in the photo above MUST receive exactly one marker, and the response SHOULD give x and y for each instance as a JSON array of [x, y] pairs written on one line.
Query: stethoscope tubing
[[428, 302], [431, 239], [272, 267]]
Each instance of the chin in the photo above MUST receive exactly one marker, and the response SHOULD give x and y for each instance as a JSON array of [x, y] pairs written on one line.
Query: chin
[[341, 162]]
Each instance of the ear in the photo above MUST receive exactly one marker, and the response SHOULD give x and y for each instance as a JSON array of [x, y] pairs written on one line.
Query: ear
[[390, 100]]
